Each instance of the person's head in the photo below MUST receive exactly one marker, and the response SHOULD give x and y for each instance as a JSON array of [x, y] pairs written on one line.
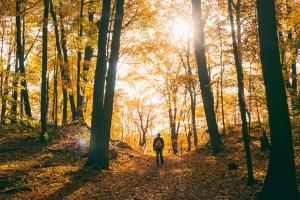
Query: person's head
[[158, 134]]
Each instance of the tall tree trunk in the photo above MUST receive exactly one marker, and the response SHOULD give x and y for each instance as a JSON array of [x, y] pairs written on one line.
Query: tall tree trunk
[[67, 82], [193, 111], [105, 119], [44, 91], [193, 97], [5, 87], [221, 72], [293, 89], [222, 102], [282, 49], [112, 70], [79, 113], [88, 54], [207, 96], [55, 98], [280, 181], [2, 84], [240, 78], [15, 92], [61, 64], [99, 139], [20, 53]]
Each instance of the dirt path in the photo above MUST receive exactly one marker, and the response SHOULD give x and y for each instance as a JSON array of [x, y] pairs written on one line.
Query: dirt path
[[180, 177], [142, 179]]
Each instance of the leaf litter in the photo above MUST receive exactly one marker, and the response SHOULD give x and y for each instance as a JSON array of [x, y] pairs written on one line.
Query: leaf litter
[[55, 170]]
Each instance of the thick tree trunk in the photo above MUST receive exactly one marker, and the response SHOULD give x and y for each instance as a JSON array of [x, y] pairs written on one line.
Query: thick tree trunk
[[99, 139], [103, 114], [110, 83], [207, 96], [239, 71], [280, 182], [44, 74]]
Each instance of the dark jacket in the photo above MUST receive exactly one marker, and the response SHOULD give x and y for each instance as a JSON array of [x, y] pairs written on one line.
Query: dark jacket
[[161, 140]]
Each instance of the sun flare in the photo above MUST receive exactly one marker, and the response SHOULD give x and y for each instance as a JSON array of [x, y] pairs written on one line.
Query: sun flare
[[180, 29]]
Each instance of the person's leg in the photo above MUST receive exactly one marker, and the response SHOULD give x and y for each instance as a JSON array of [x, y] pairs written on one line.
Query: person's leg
[[157, 158], [161, 157]]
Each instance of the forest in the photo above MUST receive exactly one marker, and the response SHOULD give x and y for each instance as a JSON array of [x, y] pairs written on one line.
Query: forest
[[86, 86]]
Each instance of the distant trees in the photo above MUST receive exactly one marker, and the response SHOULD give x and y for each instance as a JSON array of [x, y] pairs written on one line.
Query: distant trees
[[141, 113]]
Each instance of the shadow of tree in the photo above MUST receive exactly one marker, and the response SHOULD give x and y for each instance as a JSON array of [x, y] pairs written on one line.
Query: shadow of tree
[[77, 180]]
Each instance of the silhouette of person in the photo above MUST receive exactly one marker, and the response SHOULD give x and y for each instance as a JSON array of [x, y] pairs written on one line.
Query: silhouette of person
[[158, 145]]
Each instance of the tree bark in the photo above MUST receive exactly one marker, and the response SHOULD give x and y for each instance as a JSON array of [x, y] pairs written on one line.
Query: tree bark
[[61, 64], [79, 113], [98, 147], [111, 75], [44, 74], [280, 181], [193, 111], [207, 96], [174, 135], [66, 68], [15, 92], [99, 141], [20, 53]]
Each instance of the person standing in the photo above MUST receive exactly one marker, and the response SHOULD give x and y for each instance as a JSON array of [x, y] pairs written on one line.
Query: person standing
[[158, 145]]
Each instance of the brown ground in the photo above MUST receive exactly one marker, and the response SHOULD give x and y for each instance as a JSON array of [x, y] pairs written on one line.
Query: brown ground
[[30, 170]]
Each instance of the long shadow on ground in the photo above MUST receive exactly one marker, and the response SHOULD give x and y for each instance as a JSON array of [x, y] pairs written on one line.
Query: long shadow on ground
[[77, 179]]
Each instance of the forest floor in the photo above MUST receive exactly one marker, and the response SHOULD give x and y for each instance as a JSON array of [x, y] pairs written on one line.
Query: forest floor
[[55, 170]]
